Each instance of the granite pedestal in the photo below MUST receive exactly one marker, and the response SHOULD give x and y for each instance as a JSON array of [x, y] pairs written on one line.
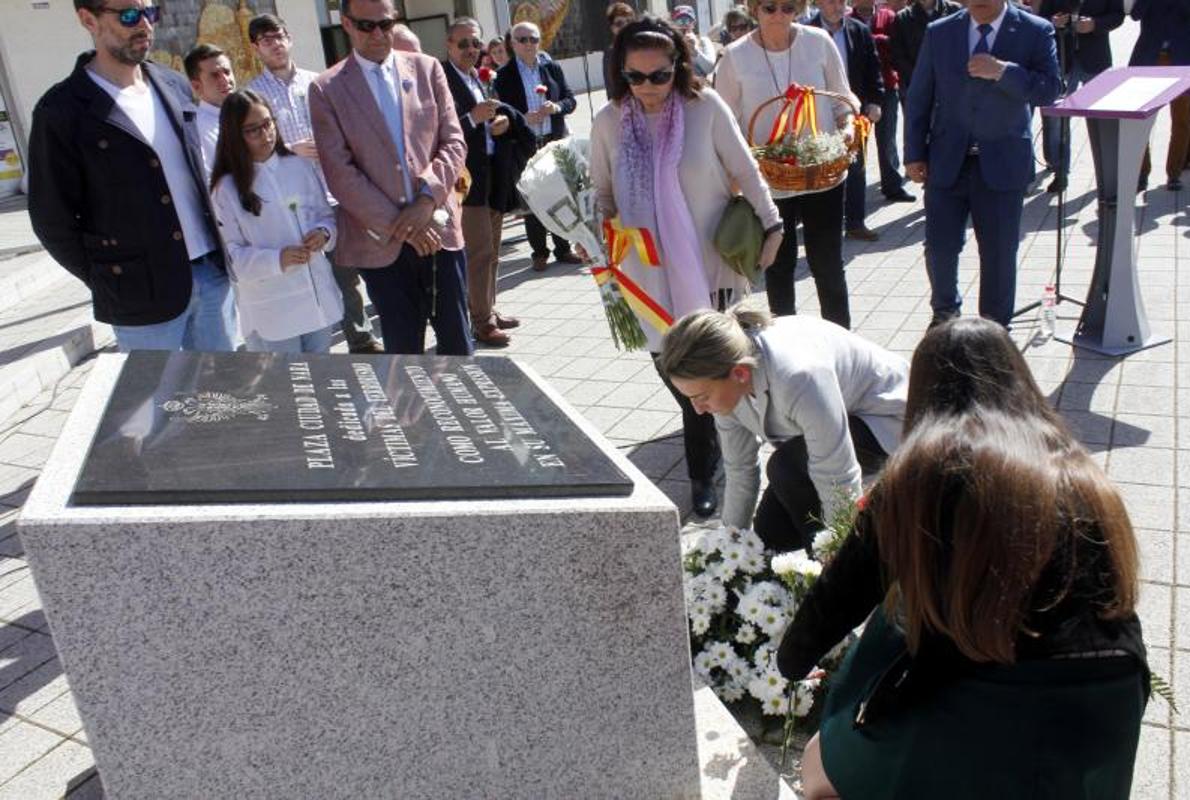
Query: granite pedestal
[[446, 648]]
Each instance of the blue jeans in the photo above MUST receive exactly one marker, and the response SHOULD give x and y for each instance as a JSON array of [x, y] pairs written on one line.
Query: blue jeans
[[314, 342], [207, 325], [1055, 128], [891, 179]]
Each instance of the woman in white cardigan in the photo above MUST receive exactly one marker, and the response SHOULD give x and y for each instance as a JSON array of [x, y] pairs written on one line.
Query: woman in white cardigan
[[831, 402], [276, 223], [761, 66], [665, 155]]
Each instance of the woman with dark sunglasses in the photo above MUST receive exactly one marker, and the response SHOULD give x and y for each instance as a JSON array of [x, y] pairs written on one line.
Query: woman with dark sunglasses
[[760, 66], [665, 155]]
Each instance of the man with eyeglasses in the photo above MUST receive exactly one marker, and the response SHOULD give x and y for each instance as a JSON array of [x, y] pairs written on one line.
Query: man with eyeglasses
[[391, 148], [286, 87], [212, 79], [116, 189], [538, 90], [498, 144]]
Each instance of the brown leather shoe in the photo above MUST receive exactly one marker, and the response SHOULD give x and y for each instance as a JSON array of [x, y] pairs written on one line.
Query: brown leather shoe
[[569, 258], [492, 336], [540, 263], [505, 323], [863, 234], [371, 348]]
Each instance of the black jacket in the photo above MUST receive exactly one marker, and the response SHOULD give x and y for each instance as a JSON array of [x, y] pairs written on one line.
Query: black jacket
[[909, 31], [1090, 51], [511, 90], [99, 201], [863, 65], [1161, 21], [492, 177], [854, 583]]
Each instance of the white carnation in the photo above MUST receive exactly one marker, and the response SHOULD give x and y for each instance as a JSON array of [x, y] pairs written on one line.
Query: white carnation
[[823, 540], [803, 700]]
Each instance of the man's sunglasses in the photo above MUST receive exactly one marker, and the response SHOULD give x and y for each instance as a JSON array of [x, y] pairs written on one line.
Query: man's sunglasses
[[369, 25], [469, 44], [658, 78], [131, 17], [528, 39], [785, 8]]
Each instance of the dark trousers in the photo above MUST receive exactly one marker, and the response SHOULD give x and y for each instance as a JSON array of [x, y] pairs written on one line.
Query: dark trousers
[[854, 202], [414, 290], [536, 232], [996, 218], [698, 435], [790, 509], [891, 179], [821, 215], [357, 328]]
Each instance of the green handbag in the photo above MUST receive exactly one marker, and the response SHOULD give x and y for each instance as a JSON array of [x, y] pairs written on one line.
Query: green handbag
[[739, 237]]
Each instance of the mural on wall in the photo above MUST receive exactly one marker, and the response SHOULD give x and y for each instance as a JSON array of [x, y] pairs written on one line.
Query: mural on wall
[[223, 23], [548, 15]]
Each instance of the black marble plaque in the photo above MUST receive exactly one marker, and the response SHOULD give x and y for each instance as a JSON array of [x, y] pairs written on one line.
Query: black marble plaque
[[264, 427]]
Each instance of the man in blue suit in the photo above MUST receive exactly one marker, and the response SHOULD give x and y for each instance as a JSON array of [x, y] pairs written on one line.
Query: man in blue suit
[[967, 138]]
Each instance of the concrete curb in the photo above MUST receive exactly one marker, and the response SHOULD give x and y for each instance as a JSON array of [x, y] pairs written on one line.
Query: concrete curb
[[29, 376]]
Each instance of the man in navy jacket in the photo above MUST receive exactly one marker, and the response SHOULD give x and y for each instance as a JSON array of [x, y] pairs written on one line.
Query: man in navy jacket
[[116, 191], [516, 84], [968, 139]]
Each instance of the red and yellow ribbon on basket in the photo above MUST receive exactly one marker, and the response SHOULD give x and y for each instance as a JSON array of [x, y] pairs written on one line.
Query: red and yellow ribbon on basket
[[625, 301], [798, 112]]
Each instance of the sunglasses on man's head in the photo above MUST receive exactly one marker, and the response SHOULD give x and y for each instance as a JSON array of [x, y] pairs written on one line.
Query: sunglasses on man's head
[[369, 25], [131, 17], [785, 8], [469, 44], [658, 78], [528, 39]]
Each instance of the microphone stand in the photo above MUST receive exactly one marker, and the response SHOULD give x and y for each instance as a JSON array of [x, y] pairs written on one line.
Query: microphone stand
[[1063, 144]]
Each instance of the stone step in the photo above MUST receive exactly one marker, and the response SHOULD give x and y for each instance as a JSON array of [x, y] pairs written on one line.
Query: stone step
[[24, 275], [43, 337]]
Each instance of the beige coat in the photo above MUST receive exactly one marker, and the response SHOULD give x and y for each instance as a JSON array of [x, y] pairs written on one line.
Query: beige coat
[[714, 156]]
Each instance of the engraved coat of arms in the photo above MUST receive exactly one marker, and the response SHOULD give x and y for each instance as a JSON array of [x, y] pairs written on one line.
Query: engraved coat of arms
[[217, 407]]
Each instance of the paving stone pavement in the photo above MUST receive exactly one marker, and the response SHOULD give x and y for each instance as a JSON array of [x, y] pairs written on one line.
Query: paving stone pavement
[[1128, 412]]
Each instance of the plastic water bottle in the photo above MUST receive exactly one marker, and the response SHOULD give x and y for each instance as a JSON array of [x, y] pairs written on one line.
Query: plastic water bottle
[[1049, 299]]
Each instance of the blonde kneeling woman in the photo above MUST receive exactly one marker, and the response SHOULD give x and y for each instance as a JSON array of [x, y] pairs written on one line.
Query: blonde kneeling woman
[[831, 402]]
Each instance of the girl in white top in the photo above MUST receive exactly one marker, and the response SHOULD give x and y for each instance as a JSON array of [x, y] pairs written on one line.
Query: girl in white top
[[276, 223], [761, 66]]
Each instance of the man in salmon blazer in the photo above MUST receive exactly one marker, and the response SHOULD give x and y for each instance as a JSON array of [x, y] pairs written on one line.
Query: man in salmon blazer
[[391, 147]]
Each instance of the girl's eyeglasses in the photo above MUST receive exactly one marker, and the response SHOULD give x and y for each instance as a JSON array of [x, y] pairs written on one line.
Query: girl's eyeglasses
[[258, 130]]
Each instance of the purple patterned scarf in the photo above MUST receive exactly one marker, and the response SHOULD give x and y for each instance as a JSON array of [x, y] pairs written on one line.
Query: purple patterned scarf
[[649, 195]]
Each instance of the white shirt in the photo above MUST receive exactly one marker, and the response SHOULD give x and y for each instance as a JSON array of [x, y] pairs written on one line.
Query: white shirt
[[272, 302], [472, 83], [148, 115], [207, 122], [531, 79], [973, 31], [388, 69]]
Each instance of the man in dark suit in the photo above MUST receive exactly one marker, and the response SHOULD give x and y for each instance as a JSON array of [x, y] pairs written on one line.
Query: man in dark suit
[[538, 90], [858, 51], [490, 128], [1165, 41], [116, 190], [968, 139], [1084, 51]]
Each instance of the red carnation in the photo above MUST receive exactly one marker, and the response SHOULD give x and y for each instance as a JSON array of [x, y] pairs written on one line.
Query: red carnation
[[542, 89], [485, 75]]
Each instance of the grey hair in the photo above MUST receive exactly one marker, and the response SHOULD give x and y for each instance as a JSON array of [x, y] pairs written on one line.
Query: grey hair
[[464, 22], [705, 345]]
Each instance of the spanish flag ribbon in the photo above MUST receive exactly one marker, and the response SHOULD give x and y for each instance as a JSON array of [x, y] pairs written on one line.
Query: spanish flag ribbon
[[645, 307], [620, 239], [863, 129], [798, 112]]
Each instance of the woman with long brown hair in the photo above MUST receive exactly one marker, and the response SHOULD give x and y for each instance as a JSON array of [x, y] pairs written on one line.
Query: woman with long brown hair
[[1004, 657]]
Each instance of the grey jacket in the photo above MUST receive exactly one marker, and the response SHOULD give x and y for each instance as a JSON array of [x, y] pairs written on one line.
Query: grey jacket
[[811, 374]]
